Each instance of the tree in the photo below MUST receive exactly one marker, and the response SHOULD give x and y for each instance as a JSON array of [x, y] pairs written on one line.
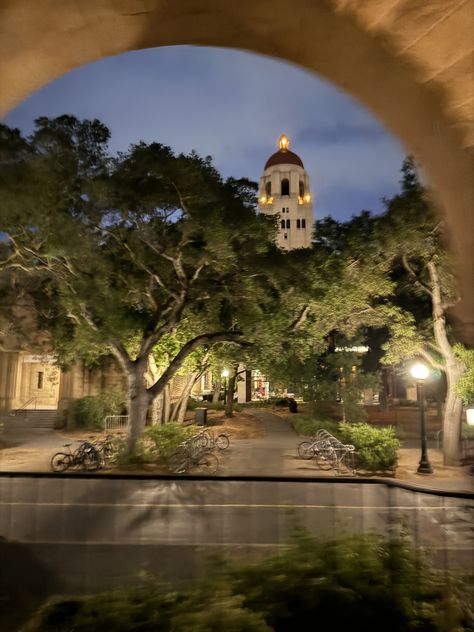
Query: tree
[[127, 248], [413, 238]]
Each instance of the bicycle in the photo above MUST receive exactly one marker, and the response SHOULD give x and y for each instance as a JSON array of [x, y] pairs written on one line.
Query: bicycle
[[208, 440], [189, 455], [85, 456], [329, 453]]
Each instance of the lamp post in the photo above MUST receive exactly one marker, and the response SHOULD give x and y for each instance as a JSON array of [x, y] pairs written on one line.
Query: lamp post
[[225, 375], [420, 372]]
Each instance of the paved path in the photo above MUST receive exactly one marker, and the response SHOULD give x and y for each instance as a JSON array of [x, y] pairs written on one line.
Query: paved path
[[273, 455], [266, 456]]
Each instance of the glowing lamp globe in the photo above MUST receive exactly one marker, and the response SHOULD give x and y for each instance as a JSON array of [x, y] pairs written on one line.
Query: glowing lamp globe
[[225, 373], [420, 371], [470, 416]]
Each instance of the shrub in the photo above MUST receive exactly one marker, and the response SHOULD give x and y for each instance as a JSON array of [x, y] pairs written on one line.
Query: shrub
[[376, 447], [309, 426], [143, 453], [90, 412], [168, 437], [356, 583]]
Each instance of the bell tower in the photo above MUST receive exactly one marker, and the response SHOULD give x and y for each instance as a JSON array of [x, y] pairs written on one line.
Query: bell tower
[[284, 192]]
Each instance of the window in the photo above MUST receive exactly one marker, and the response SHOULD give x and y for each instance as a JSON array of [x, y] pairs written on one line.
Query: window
[[298, 223], [287, 223], [283, 223], [285, 236], [268, 189], [285, 186], [303, 223], [301, 188], [39, 383]]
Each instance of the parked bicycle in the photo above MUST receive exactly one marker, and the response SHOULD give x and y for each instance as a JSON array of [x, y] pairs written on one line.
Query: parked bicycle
[[191, 456], [206, 439], [85, 457], [106, 449], [329, 453]]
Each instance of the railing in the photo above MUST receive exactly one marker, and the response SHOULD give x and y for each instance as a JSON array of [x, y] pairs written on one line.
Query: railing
[[26, 404], [115, 422]]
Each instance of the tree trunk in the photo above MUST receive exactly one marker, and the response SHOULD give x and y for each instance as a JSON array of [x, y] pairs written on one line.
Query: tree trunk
[[216, 392], [454, 370], [452, 420], [229, 403], [183, 401], [166, 408], [139, 400]]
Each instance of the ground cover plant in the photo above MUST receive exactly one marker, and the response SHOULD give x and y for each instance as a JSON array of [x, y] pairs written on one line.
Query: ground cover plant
[[354, 582], [376, 448]]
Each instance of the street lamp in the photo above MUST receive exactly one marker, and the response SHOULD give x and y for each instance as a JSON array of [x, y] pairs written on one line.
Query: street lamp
[[420, 372]]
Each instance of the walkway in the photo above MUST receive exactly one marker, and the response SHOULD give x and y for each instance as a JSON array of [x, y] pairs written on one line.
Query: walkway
[[273, 455]]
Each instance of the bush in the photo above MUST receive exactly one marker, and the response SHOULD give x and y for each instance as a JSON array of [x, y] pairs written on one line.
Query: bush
[[90, 412], [356, 583], [143, 453], [167, 437], [309, 426], [376, 447]]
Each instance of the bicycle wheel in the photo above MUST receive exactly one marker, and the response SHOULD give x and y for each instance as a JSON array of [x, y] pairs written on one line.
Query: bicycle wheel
[[306, 449], [222, 442], [326, 459], [91, 460], [207, 463], [202, 440], [178, 463], [60, 462]]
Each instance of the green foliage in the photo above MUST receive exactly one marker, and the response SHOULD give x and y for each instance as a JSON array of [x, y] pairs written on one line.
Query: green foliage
[[309, 426], [167, 437], [356, 583], [142, 453], [465, 385], [376, 447], [90, 411]]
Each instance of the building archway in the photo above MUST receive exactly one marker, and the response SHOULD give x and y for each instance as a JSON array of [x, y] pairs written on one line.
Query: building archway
[[410, 63]]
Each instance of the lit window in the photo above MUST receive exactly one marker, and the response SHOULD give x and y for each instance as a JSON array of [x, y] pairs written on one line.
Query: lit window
[[303, 223], [285, 186], [39, 383], [287, 223]]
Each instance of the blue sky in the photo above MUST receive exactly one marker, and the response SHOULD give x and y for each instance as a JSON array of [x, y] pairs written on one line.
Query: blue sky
[[233, 106]]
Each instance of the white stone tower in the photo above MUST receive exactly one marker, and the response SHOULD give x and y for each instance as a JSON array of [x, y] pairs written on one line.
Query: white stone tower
[[284, 191]]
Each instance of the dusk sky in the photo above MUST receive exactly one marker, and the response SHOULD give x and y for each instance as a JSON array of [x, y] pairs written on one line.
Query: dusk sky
[[233, 106]]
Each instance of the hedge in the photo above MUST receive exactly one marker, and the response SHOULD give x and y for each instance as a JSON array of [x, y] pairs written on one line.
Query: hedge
[[356, 583]]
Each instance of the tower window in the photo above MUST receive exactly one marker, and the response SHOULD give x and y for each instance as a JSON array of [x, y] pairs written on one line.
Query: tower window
[[268, 189], [287, 223], [39, 383], [283, 223], [303, 223], [301, 188], [298, 223], [285, 186], [285, 236]]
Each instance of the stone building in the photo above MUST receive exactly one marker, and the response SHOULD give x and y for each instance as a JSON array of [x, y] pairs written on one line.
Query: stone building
[[284, 192]]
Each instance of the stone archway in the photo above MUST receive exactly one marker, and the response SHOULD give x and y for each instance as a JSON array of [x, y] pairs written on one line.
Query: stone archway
[[409, 61]]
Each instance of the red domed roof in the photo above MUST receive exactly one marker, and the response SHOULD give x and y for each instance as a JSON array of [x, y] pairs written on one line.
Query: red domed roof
[[283, 157]]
